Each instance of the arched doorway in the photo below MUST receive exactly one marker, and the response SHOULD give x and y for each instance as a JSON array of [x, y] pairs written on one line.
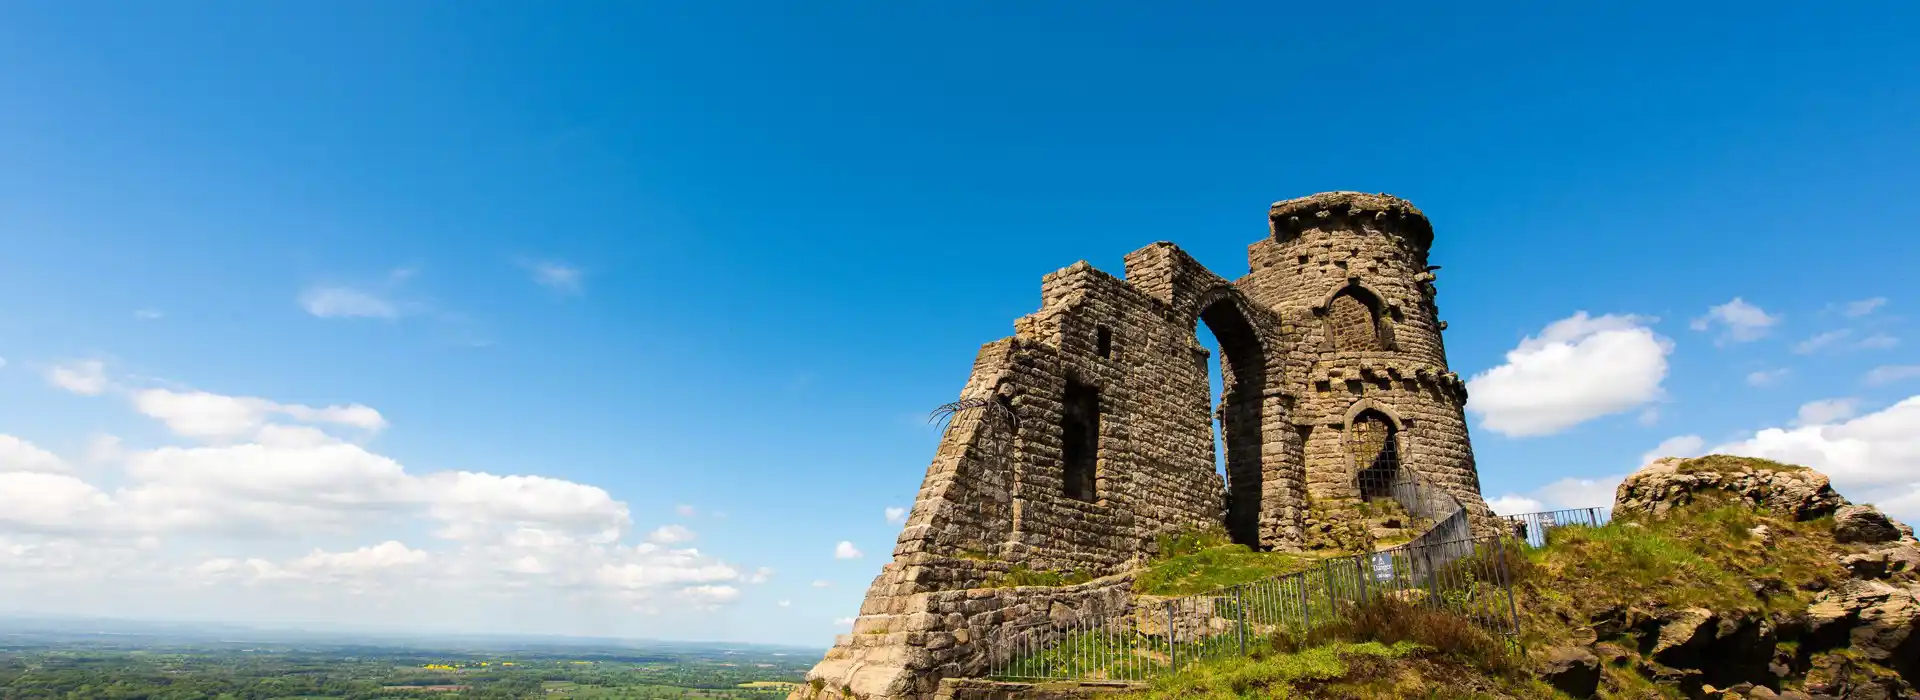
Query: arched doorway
[[1238, 377], [1373, 442]]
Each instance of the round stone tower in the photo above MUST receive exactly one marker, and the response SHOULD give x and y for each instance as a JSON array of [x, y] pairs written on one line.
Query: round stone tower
[[1377, 408]]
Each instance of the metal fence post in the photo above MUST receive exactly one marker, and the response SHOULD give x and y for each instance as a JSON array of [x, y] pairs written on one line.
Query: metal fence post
[[1173, 650], [1240, 619], [1506, 581]]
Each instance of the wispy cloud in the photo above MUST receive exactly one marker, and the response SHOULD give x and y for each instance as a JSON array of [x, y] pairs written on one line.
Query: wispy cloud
[[83, 377], [1766, 377], [1835, 340], [346, 302], [555, 275], [895, 515], [1863, 307], [149, 314], [1826, 411], [1887, 374], [1679, 446], [1738, 320], [671, 534], [1877, 341]]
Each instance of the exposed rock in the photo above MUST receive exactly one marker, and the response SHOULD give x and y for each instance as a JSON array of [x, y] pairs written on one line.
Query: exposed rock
[[1572, 670], [1863, 523], [1902, 559], [1877, 619], [1869, 565], [1682, 638], [1797, 492]]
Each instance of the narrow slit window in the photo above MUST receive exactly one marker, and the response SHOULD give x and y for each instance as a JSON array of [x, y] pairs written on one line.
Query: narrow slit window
[[1080, 440], [1103, 339]]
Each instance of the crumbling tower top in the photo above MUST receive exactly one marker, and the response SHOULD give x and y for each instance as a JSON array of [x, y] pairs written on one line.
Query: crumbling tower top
[[1345, 210]]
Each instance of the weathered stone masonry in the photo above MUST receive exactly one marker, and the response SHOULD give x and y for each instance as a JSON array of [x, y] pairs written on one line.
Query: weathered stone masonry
[[1330, 348]]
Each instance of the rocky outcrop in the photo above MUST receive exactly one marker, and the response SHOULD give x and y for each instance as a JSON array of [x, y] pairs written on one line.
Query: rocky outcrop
[[1863, 524], [1851, 633], [1797, 492]]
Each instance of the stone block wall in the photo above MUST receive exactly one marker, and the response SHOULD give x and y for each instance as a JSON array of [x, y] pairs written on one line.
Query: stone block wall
[[1331, 261], [1092, 428], [951, 634]]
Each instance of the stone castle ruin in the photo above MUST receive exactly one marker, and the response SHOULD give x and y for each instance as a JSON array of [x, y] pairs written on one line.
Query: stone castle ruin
[[1089, 433]]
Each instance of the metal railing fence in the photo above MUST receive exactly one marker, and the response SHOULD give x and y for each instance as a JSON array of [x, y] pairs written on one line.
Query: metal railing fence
[[1153, 636], [1533, 527]]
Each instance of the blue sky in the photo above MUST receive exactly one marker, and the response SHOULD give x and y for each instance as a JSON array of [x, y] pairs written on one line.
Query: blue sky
[[726, 256]]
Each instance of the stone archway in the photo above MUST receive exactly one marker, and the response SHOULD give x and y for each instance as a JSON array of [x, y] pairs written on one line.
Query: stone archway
[[1240, 412]]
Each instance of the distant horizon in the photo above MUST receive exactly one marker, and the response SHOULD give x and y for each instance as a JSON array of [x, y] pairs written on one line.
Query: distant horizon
[[349, 632]]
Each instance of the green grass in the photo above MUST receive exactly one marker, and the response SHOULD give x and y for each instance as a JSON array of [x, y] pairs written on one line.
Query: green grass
[[1216, 568], [1727, 464], [1203, 561], [1267, 672], [1702, 555]]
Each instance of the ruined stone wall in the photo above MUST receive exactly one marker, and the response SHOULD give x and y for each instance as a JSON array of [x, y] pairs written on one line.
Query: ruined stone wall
[[952, 634], [1108, 377], [1267, 491], [1332, 262]]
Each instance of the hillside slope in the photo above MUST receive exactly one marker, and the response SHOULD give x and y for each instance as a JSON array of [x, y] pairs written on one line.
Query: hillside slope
[[1719, 577]]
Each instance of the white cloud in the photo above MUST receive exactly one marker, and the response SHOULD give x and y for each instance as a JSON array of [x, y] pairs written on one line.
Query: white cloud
[[83, 377], [203, 415], [1870, 457], [820, 583], [386, 555], [1739, 321], [895, 515], [845, 550], [1864, 306], [1575, 492], [17, 455], [1768, 377], [1886, 374], [346, 302], [685, 511], [843, 622], [785, 603], [42, 502], [214, 529], [3, 363], [671, 534], [1678, 446], [1514, 505], [1826, 411], [149, 314], [1575, 370], [555, 275], [709, 596], [103, 449]]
